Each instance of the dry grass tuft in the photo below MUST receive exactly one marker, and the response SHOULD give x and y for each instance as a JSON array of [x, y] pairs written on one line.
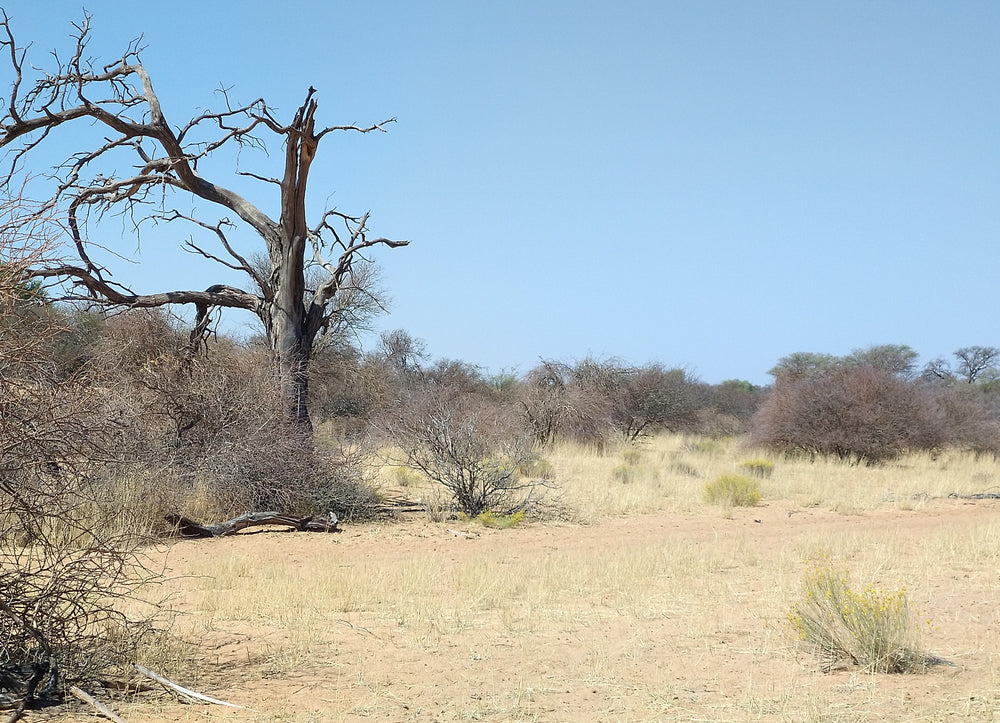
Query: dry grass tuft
[[733, 490]]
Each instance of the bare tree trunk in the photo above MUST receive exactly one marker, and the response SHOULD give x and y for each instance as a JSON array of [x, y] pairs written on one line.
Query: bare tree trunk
[[291, 352]]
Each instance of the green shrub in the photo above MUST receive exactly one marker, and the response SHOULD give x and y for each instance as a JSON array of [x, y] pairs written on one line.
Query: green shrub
[[733, 490], [875, 629], [760, 468]]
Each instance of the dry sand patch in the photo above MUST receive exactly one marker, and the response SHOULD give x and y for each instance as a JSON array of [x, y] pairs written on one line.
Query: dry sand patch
[[666, 616]]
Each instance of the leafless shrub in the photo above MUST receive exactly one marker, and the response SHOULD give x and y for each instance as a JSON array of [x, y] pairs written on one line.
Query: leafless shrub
[[67, 556], [651, 399], [730, 407], [471, 445], [595, 398], [971, 416], [346, 388], [864, 414], [543, 395], [555, 404]]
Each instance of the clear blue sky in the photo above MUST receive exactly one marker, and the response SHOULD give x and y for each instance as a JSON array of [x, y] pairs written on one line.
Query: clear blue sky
[[709, 184]]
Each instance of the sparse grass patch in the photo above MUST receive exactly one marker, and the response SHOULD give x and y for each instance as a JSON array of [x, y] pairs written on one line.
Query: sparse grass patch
[[436, 505], [709, 446], [622, 473], [537, 468], [684, 469], [733, 490], [874, 629]]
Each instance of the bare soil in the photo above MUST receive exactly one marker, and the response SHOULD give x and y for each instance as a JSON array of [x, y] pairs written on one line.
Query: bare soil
[[715, 646]]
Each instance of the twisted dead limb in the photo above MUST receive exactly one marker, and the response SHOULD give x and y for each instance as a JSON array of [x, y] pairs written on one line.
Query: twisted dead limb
[[186, 527]]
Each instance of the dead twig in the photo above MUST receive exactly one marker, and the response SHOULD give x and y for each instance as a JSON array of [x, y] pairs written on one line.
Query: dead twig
[[18, 713], [95, 704], [182, 690]]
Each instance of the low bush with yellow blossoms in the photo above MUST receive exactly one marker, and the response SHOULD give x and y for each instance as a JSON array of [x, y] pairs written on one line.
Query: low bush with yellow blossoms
[[875, 629]]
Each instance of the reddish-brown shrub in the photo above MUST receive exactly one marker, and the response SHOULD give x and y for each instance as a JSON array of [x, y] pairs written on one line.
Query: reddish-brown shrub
[[860, 413]]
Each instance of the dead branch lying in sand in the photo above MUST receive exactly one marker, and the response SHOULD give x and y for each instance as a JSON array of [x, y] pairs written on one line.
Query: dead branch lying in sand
[[95, 704], [186, 527], [185, 692]]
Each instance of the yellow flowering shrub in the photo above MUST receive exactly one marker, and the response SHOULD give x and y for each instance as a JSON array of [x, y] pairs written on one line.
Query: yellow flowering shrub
[[874, 628]]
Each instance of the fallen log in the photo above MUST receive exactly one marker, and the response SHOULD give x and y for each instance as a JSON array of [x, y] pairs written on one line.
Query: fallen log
[[186, 527]]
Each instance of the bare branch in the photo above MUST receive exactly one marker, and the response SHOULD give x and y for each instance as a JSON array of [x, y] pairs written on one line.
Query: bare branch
[[248, 174], [102, 292], [319, 313], [182, 690], [376, 127], [241, 262]]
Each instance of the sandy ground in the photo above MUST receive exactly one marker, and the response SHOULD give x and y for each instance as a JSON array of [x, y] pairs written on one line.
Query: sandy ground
[[714, 646]]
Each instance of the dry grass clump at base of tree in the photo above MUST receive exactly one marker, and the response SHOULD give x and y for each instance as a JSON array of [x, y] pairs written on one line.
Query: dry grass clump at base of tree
[[875, 629]]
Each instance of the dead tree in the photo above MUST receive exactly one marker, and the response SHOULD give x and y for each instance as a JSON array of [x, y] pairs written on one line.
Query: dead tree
[[164, 159]]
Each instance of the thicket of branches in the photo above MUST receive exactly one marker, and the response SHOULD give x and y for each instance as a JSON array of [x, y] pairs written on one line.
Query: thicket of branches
[[202, 427], [67, 548]]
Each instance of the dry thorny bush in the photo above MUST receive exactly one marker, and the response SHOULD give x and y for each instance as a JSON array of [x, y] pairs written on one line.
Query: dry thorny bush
[[68, 561], [205, 434], [475, 447]]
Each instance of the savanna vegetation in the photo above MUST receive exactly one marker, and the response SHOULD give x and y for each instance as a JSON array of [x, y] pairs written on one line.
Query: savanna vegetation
[[694, 527]]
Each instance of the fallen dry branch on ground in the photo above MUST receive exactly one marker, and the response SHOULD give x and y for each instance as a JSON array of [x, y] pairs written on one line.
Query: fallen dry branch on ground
[[18, 713], [95, 704], [185, 692], [977, 496], [186, 527]]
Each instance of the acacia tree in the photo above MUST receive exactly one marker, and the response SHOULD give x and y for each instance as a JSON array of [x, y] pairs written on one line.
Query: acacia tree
[[165, 161], [974, 361]]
